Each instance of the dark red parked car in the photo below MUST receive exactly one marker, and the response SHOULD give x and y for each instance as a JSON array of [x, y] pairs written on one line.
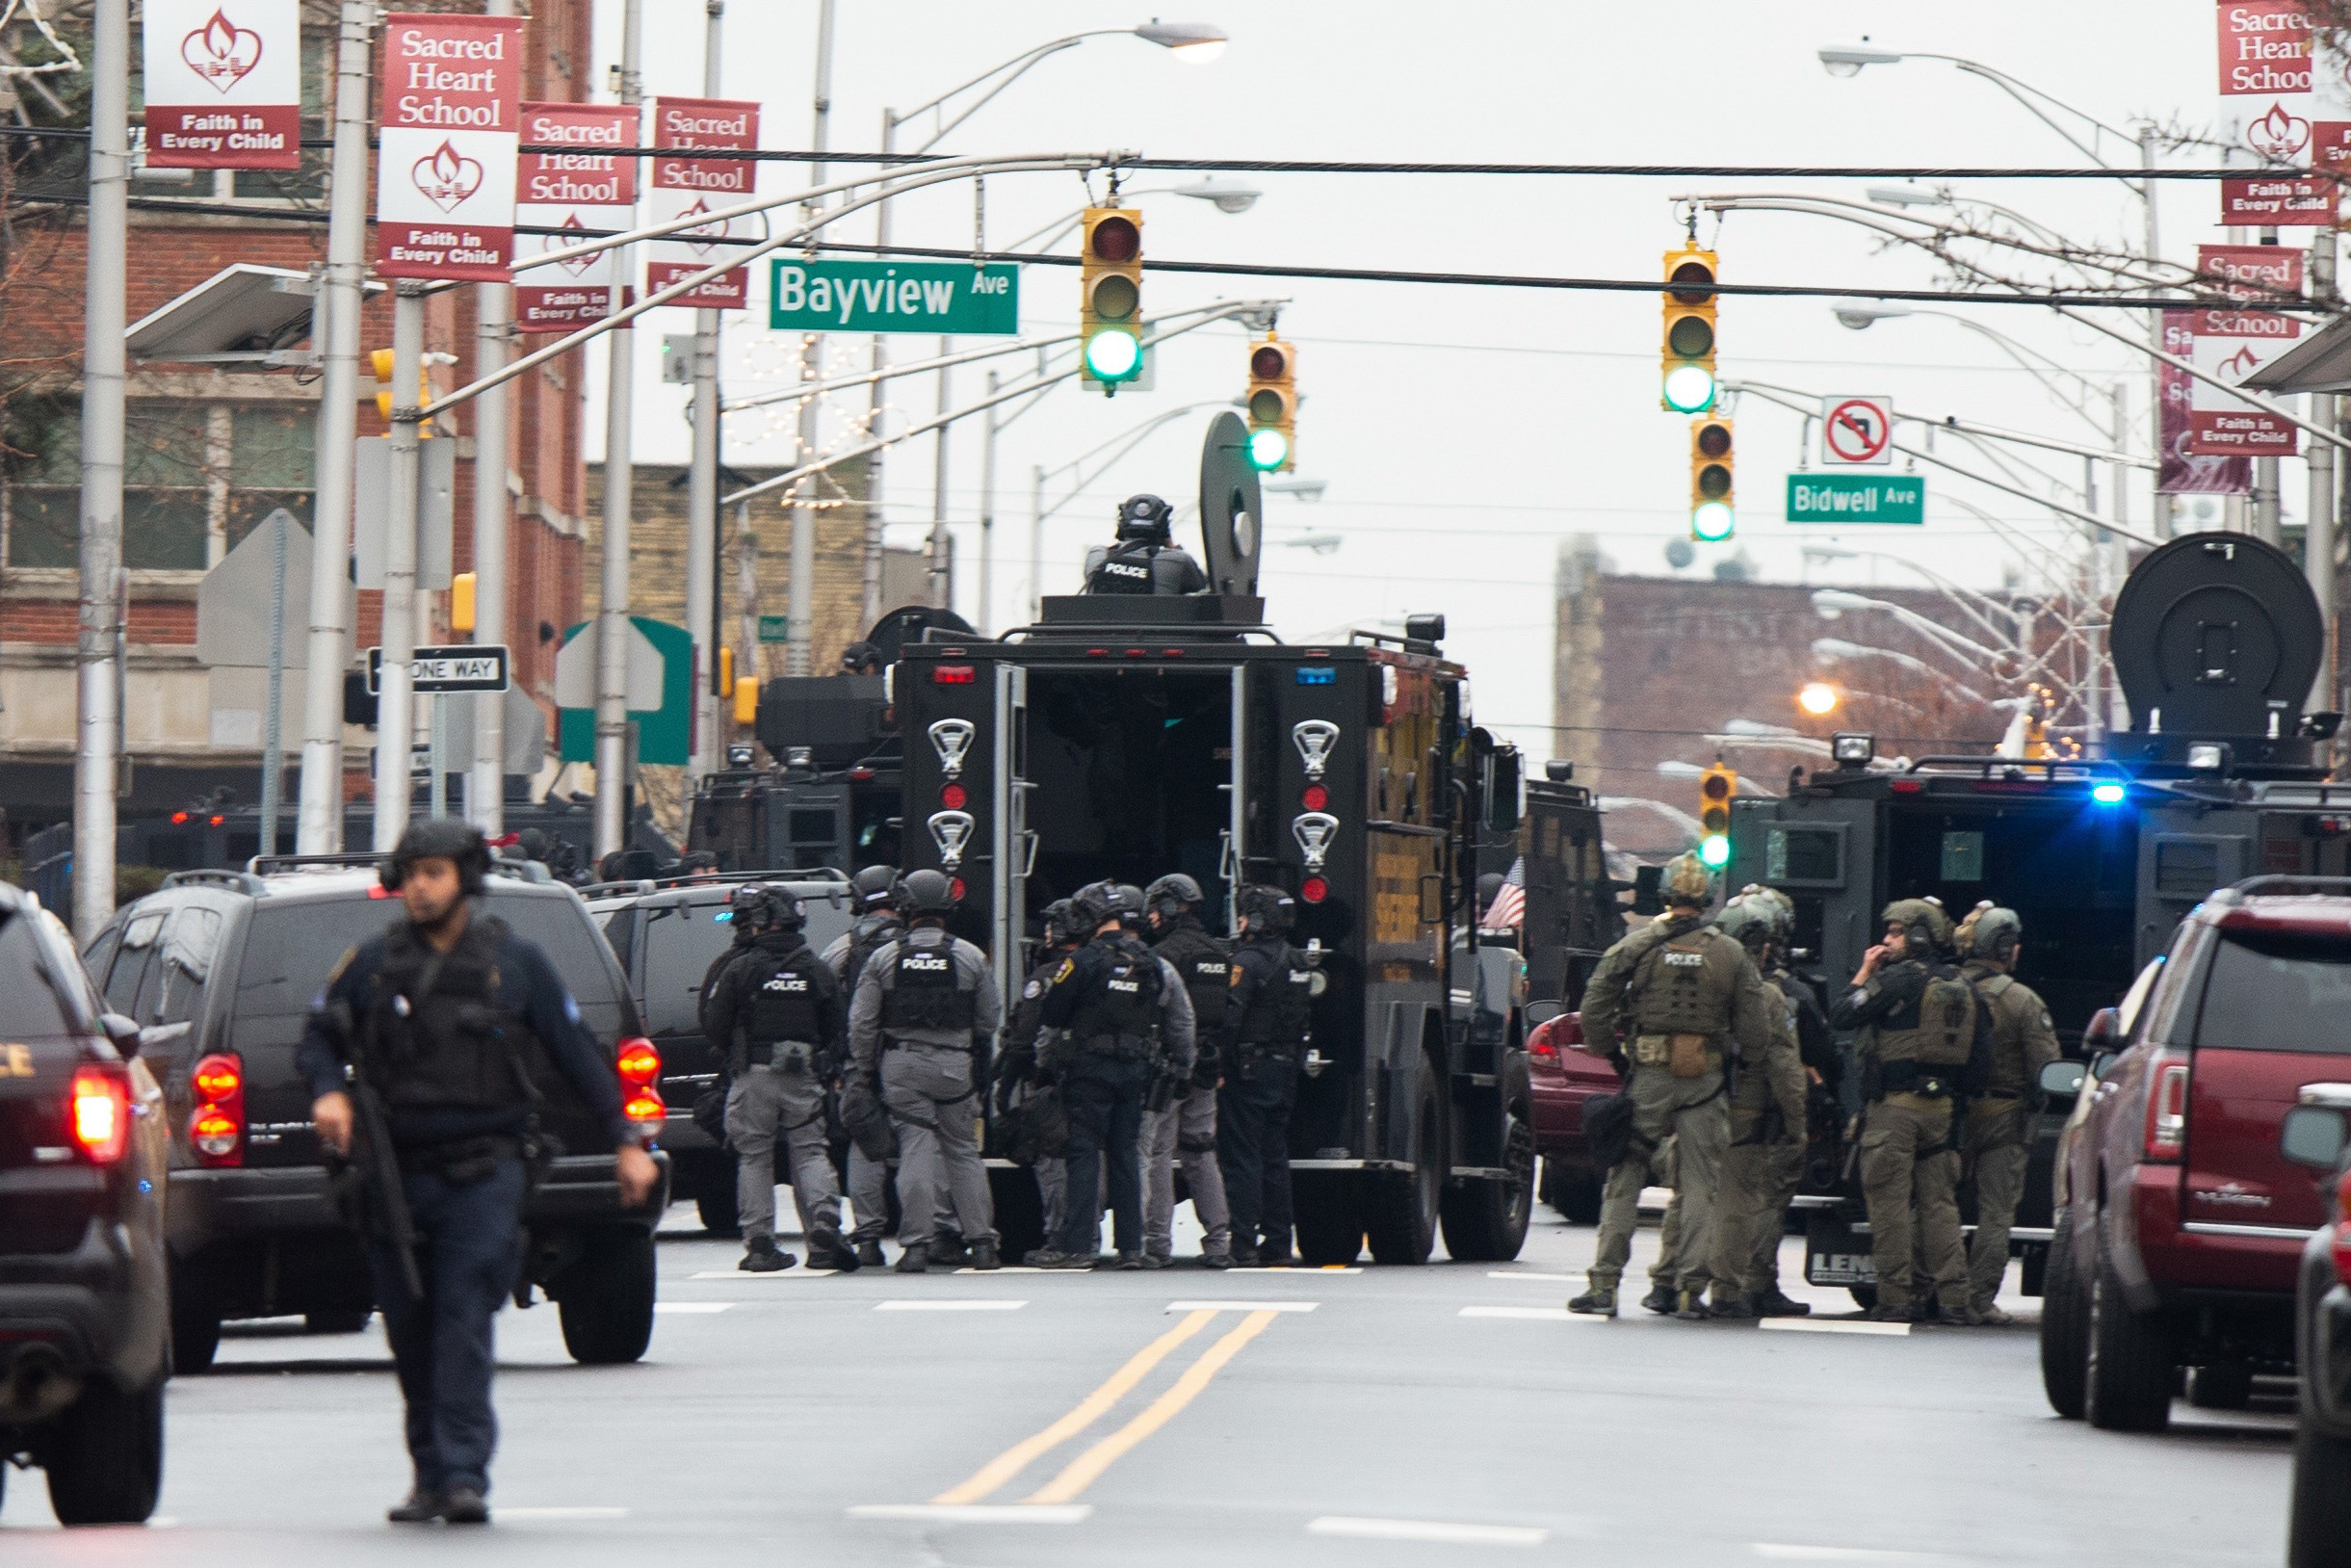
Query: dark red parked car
[[1563, 1075]]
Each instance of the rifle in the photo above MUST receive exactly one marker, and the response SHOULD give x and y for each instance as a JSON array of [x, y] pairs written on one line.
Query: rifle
[[381, 1208]]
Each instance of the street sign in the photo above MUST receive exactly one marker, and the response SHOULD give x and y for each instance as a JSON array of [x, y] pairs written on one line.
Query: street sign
[[1856, 498], [661, 691], [465, 667], [776, 628], [892, 296], [232, 603], [437, 473], [1856, 430]]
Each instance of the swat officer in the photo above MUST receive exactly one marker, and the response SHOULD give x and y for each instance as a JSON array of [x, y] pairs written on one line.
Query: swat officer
[[1994, 1142], [777, 1011], [1016, 1062], [1144, 560], [926, 1009], [869, 1150], [448, 1016], [1925, 1045], [1765, 1158], [1266, 1021], [1121, 1010], [1186, 1122], [1671, 1005]]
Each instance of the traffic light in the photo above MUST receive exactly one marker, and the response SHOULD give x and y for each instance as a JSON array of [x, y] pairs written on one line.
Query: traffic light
[[1715, 787], [1110, 305], [380, 360], [1711, 514], [1689, 330], [1273, 405]]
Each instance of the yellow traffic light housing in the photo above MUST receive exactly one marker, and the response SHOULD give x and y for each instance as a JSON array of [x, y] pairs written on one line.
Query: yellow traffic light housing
[[1689, 354], [461, 602], [1110, 297], [1715, 788], [746, 699], [380, 360], [1273, 405], [1713, 508]]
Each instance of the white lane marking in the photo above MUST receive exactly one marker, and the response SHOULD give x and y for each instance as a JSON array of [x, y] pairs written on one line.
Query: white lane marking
[[1243, 1306], [948, 1304], [1833, 1554], [1538, 1315], [780, 1273], [1019, 1269], [1832, 1325], [505, 1513], [1299, 1268], [1514, 1273], [1427, 1529], [977, 1513], [692, 1306]]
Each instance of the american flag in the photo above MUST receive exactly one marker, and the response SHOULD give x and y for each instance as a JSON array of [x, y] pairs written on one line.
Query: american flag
[[1509, 906]]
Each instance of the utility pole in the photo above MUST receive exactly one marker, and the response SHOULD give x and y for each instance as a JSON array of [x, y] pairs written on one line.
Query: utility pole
[[99, 745], [878, 405], [1037, 544], [940, 592], [493, 325], [612, 628], [340, 297], [987, 511], [798, 648], [2268, 524], [702, 480], [2163, 522], [2319, 528], [395, 701]]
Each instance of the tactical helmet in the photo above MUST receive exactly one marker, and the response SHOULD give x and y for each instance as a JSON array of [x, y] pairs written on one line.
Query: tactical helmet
[[1928, 928], [1688, 882], [1172, 895], [926, 893], [1264, 909], [876, 888], [1130, 906], [1989, 933], [753, 906], [441, 838], [1061, 923], [1144, 517], [1751, 920], [1092, 904], [784, 910]]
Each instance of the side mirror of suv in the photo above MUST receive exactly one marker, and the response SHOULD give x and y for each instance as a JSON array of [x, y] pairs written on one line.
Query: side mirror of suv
[[2313, 1135], [1539, 1013], [2063, 1079]]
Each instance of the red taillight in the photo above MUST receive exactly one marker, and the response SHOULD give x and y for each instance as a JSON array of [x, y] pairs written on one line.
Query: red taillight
[[1541, 1047], [955, 675], [1316, 798], [2167, 1111], [1907, 786], [644, 1106], [2343, 1230], [1313, 890], [956, 890], [216, 1078], [101, 1114], [179, 817], [217, 820], [952, 797], [215, 1130], [639, 1062]]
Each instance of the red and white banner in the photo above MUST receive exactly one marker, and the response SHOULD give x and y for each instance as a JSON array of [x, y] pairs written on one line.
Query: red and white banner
[[445, 165], [2230, 345], [2266, 102], [591, 190], [224, 84], [685, 186], [2181, 470]]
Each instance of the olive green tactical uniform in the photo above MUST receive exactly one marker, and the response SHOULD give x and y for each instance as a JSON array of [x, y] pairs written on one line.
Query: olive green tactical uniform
[[1764, 1161], [1996, 1142], [1672, 1003]]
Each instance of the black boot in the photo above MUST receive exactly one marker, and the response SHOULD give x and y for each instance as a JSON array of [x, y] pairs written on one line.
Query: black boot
[[985, 1256], [826, 1250], [1659, 1301], [421, 1508], [868, 1254], [914, 1260], [948, 1251], [1599, 1301], [465, 1506], [1773, 1302]]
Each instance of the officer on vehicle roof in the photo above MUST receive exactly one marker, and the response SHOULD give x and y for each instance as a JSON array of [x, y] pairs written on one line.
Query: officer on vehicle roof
[[1145, 558], [1121, 1010], [1017, 1073], [1671, 1005], [1266, 1021], [777, 1013], [1996, 1145], [925, 1011], [454, 1021], [1185, 1125], [1925, 1047], [1764, 1161], [877, 925]]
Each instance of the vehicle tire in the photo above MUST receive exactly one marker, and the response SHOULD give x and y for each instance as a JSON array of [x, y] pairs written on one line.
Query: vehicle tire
[[1486, 1222], [1327, 1209], [1864, 1296], [196, 1330], [1400, 1219], [606, 1306], [343, 1320], [2318, 1522], [1020, 1212], [2065, 1327], [718, 1215], [1578, 1194], [2222, 1386], [105, 1455], [2132, 1367]]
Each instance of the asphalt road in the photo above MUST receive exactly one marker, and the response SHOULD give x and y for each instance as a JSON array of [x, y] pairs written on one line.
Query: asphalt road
[[1433, 1416]]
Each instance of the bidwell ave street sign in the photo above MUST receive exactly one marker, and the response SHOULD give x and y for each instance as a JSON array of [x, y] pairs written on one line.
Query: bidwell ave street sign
[[1856, 498]]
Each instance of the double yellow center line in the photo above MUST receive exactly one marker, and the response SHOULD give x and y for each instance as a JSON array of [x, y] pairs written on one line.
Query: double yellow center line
[[1087, 1467]]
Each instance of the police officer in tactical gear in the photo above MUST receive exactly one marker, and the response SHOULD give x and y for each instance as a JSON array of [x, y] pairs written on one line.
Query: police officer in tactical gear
[[1925, 1047], [1672, 1006], [926, 1009], [1996, 1140], [1017, 1070], [456, 1021], [1121, 1010], [1266, 1021], [1185, 1125], [1144, 560], [1764, 1161], [876, 926], [777, 1013]]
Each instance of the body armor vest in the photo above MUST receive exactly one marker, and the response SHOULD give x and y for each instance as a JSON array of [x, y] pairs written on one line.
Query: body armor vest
[[923, 993], [869, 935], [1675, 989], [1282, 1010], [783, 997], [1126, 569], [1206, 968], [1943, 1029], [1122, 1000], [441, 1038]]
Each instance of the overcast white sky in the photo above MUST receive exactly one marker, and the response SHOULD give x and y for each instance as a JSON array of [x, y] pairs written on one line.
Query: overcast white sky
[[1464, 431]]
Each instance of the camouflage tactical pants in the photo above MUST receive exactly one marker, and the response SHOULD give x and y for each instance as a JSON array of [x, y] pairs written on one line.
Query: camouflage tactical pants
[[1995, 1150], [1910, 1178], [1694, 1113]]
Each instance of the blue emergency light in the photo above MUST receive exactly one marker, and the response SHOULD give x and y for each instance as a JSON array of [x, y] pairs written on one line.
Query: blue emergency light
[[2109, 794], [1318, 675]]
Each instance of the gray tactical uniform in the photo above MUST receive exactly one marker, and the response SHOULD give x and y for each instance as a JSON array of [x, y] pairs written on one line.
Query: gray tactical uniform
[[926, 1073]]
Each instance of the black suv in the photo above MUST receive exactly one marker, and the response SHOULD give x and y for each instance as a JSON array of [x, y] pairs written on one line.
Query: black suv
[[666, 934], [85, 1291], [227, 964]]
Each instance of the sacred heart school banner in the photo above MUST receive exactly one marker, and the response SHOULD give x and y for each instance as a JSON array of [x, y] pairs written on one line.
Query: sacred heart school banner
[[685, 186], [587, 190], [445, 160], [224, 84]]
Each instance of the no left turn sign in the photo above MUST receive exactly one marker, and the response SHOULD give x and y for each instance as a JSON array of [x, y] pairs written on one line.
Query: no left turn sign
[[1856, 431]]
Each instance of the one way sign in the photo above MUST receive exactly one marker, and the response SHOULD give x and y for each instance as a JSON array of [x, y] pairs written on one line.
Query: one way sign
[[467, 666]]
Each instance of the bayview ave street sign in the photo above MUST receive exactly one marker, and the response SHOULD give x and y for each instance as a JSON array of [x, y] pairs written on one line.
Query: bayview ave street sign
[[1856, 498], [467, 666], [892, 296]]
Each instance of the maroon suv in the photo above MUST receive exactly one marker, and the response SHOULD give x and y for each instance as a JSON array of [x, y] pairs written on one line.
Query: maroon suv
[[2184, 1223], [1562, 1075]]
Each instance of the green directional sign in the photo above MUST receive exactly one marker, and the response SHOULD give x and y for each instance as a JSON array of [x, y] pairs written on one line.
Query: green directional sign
[[892, 296], [1856, 498]]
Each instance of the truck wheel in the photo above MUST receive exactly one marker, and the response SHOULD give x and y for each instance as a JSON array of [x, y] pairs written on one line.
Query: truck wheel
[[1325, 1206], [1486, 1222], [606, 1307], [2319, 1523], [1020, 1212], [105, 1455], [2065, 1327], [2222, 1386], [1864, 1296], [716, 1208], [1575, 1192], [196, 1330], [2131, 1366], [1402, 1218]]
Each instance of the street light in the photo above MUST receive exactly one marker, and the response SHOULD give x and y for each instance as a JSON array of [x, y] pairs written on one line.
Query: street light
[[1817, 698], [1848, 59], [1195, 44]]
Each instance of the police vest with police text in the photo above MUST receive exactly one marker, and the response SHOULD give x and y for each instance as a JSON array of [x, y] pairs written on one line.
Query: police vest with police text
[[1204, 966], [783, 998], [1121, 1003], [923, 993], [1282, 1011], [1686, 984]]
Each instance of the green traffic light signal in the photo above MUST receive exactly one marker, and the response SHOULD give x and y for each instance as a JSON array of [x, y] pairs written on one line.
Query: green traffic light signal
[[1690, 389], [1714, 850], [1711, 522], [1113, 354], [1269, 449]]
